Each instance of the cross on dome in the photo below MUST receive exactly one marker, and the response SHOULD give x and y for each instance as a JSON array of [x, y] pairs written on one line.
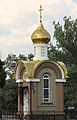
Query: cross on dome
[[40, 35], [41, 13]]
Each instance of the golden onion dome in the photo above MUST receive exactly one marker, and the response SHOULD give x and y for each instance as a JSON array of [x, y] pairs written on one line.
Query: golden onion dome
[[40, 35]]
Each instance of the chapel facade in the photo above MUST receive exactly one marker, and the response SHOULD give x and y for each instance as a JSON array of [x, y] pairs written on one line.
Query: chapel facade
[[40, 82]]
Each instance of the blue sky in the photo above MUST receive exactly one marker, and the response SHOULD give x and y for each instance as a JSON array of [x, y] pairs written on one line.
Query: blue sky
[[75, 1], [19, 18]]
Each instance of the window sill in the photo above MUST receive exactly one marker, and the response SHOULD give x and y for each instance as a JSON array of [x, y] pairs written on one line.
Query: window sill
[[47, 103]]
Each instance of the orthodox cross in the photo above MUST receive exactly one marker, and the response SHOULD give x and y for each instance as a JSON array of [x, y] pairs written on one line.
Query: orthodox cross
[[41, 13]]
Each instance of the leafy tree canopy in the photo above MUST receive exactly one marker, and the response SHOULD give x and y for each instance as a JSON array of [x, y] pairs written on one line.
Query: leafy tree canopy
[[8, 96], [66, 51], [8, 92], [11, 62], [2, 74], [67, 37]]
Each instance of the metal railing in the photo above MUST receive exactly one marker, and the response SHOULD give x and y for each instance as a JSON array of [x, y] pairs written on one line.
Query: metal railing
[[40, 116]]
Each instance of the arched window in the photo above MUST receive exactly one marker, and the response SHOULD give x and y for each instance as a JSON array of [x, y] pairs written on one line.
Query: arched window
[[46, 88]]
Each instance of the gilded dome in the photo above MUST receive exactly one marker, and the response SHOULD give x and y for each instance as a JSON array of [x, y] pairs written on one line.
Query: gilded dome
[[40, 35]]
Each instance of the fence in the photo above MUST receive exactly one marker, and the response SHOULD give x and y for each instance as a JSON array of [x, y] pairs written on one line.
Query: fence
[[70, 115], [15, 116], [10, 116]]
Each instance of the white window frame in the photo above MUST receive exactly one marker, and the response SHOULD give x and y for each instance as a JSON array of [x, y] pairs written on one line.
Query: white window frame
[[42, 51], [35, 51], [48, 78]]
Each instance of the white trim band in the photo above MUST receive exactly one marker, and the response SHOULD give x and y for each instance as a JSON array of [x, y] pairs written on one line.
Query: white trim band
[[60, 80], [41, 58], [40, 45], [32, 80], [19, 80], [70, 108]]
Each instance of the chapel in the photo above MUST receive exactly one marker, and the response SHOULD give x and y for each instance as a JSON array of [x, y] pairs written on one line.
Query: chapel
[[41, 81]]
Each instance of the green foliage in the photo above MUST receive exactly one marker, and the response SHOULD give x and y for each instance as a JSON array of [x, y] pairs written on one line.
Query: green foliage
[[67, 36], [71, 93], [11, 62], [30, 57], [22, 57], [59, 54], [2, 74], [8, 96], [8, 91], [66, 51]]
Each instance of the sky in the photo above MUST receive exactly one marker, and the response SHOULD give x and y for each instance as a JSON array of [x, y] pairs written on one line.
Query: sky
[[19, 18]]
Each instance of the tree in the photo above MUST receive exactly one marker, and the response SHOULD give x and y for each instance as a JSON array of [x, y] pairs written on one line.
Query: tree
[[67, 37], [57, 54], [30, 56], [2, 74], [22, 57], [66, 50], [8, 92], [11, 62], [8, 96]]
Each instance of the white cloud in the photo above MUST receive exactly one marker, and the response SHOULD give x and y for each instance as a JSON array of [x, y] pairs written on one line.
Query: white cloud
[[31, 29], [17, 40], [74, 11], [69, 2], [15, 45], [19, 18]]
